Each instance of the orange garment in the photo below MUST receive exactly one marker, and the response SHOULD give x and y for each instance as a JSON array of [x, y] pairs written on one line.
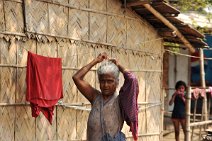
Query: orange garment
[[44, 84]]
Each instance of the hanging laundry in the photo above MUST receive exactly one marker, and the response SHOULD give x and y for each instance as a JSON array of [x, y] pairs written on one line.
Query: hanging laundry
[[44, 84], [210, 90], [198, 92], [128, 95]]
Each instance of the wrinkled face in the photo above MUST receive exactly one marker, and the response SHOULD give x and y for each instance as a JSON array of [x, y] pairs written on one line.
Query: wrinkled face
[[108, 84]]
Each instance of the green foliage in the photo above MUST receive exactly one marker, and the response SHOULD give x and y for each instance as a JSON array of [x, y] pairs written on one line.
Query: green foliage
[[191, 5], [199, 6]]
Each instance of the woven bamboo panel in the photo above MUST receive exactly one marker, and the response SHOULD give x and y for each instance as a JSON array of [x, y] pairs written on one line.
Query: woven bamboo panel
[[23, 48], [8, 52], [82, 117], [153, 42], [98, 5], [135, 39], [61, 1], [153, 62], [21, 86], [69, 88], [14, 16], [122, 56], [7, 123], [44, 130], [153, 87], [153, 119], [8, 85], [142, 120], [66, 124], [154, 45], [137, 61], [58, 19], [85, 54], [79, 3], [158, 45], [68, 52], [2, 20], [114, 6], [141, 82], [116, 31], [78, 24], [37, 16], [47, 49], [98, 25], [25, 124]]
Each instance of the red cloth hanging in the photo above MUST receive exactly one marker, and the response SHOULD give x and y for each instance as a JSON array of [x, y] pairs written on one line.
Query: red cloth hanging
[[44, 84]]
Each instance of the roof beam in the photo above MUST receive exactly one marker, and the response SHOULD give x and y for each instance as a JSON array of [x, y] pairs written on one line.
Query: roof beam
[[137, 3], [171, 26]]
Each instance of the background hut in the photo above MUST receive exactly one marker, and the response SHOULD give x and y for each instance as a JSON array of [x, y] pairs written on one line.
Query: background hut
[[77, 31]]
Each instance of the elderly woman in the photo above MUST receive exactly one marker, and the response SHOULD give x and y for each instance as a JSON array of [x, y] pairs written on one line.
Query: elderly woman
[[106, 118]]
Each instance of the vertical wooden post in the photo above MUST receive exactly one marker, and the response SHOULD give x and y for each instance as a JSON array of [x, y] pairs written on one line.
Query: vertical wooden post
[[194, 118], [188, 107], [202, 76]]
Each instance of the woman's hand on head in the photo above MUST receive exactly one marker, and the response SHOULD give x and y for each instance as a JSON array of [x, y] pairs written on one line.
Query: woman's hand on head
[[114, 60], [101, 57]]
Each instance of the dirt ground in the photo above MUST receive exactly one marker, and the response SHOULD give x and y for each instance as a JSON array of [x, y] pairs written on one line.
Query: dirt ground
[[168, 134]]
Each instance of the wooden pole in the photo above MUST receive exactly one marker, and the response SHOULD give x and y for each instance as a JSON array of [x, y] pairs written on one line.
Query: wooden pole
[[194, 118], [204, 105], [202, 71], [188, 107], [171, 26], [200, 123]]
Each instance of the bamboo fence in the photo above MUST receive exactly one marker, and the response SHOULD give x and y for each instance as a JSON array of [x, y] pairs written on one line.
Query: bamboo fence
[[77, 31]]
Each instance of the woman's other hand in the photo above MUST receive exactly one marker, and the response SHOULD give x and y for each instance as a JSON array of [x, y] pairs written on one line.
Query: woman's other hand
[[101, 57]]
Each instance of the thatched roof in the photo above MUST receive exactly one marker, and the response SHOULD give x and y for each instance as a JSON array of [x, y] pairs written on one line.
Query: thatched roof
[[163, 17]]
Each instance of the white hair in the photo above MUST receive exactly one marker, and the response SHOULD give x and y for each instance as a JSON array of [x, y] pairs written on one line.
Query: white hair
[[108, 67]]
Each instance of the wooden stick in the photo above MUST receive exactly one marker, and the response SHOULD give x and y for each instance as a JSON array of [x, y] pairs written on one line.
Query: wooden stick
[[194, 118], [202, 71], [201, 123], [204, 105], [72, 68], [171, 26], [188, 107]]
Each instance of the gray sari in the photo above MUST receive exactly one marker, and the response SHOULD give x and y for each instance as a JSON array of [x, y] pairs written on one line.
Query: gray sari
[[111, 122]]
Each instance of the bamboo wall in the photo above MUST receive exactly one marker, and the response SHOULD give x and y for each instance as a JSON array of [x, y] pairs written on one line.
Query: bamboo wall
[[77, 31]]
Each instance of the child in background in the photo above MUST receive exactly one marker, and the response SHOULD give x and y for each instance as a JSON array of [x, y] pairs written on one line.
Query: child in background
[[178, 114]]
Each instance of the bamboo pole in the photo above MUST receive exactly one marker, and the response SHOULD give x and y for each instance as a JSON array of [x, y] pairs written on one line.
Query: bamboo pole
[[194, 118], [188, 107], [200, 123], [202, 71], [171, 26], [73, 68], [202, 76]]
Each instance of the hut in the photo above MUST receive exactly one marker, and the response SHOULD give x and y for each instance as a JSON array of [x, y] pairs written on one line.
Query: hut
[[77, 31]]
